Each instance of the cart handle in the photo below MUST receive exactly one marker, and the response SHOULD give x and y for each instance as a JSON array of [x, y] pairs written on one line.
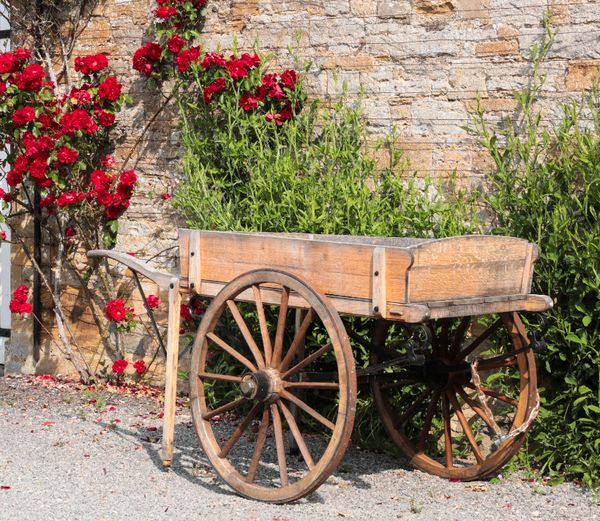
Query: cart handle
[[162, 279]]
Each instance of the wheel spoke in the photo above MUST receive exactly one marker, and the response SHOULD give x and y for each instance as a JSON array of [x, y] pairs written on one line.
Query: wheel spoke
[[311, 385], [308, 360], [447, 431], [224, 408], [260, 443], [262, 320], [217, 376], [465, 426], [307, 409], [298, 340], [240, 430], [479, 340], [495, 394], [412, 408], [280, 445], [283, 308], [476, 408], [459, 336], [497, 362], [428, 420], [246, 333], [226, 347], [289, 417]]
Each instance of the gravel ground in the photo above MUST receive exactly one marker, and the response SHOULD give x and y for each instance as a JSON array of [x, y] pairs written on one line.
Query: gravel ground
[[70, 453]]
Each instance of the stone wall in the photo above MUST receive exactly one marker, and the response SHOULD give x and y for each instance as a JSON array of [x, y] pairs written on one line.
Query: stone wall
[[421, 64]]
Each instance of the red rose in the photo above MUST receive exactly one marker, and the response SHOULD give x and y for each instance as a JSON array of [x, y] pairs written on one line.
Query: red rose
[[288, 78], [116, 209], [70, 198], [80, 96], [165, 12], [116, 311], [110, 89], [21, 164], [2, 236], [145, 58], [175, 43], [67, 155], [31, 78], [89, 64], [119, 366], [100, 180], [139, 366], [38, 168], [23, 116], [19, 304], [69, 231], [106, 119], [185, 313], [2, 87], [8, 62], [212, 58], [166, 196], [153, 301], [128, 178], [216, 86], [237, 68], [186, 57], [248, 102], [14, 177], [250, 60], [47, 201], [77, 119]]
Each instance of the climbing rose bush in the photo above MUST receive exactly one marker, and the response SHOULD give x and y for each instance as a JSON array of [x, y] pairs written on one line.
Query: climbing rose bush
[[219, 77], [59, 143]]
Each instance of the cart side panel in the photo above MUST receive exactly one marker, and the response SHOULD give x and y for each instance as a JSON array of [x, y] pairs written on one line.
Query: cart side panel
[[470, 266], [337, 269]]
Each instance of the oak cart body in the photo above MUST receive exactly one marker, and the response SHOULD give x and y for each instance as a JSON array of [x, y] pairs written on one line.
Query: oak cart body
[[451, 368]]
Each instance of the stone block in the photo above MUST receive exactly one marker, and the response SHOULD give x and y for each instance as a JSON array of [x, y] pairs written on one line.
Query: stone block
[[467, 83], [433, 7], [244, 8], [363, 7], [336, 7], [497, 48], [393, 8], [581, 74], [473, 9]]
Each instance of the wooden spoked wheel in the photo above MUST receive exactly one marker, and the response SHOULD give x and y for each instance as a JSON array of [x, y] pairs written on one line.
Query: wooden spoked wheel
[[445, 421], [271, 430]]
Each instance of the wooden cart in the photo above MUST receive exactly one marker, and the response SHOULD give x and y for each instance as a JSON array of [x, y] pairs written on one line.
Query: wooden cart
[[451, 366]]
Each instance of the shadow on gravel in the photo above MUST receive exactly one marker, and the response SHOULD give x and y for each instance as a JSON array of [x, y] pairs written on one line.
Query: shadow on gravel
[[190, 463]]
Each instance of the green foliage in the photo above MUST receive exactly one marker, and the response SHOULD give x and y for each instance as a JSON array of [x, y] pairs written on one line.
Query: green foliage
[[311, 174], [546, 188]]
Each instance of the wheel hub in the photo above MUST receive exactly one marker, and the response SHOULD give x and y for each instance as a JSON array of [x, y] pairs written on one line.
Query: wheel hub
[[261, 385]]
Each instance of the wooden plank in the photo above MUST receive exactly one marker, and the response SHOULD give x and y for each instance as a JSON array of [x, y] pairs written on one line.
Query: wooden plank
[[534, 303], [171, 372], [195, 263], [467, 267], [184, 252], [379, 283], [334, 268]]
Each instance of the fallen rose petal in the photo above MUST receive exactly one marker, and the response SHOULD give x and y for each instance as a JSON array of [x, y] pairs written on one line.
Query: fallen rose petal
[[150, 429], [4, 487], [46, 424]]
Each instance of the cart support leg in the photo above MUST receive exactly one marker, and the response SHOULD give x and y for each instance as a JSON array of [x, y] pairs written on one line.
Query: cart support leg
[[171, 373]]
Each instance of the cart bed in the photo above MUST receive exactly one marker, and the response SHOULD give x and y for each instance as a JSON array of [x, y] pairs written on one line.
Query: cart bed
[[404, 279]]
